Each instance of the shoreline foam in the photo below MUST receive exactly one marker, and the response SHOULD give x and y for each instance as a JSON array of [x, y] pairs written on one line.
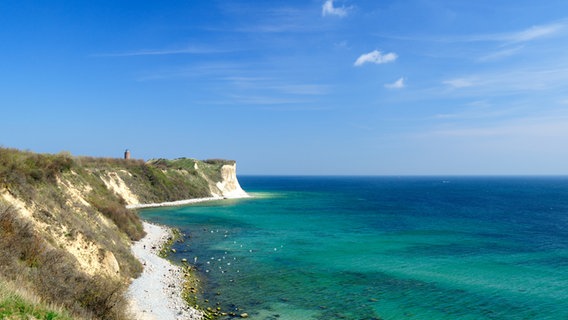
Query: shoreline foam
[[156, 294], [171, 203], [184, 202]]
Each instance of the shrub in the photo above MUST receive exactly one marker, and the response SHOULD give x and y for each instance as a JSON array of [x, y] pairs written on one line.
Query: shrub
[[125, 219], [219, 161], [18, 239]]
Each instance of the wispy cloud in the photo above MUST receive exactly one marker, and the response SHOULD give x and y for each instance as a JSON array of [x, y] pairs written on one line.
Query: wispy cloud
[[269, 27], [263, 17], [500, 54], [161, 52], [398, 84], [519, 80], [251, 99], [481, 110], [203, 71], [278, 86], [328, 9], [304, 89], [519, 36], [376, 57], [533, 33], [459, 83], [529, 34], [520, 127]]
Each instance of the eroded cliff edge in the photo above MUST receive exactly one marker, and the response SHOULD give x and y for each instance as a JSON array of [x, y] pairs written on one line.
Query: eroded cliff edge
[[65, 232]]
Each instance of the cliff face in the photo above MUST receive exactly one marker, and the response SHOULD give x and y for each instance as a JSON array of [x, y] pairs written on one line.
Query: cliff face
[[228, 187], [64, 218]]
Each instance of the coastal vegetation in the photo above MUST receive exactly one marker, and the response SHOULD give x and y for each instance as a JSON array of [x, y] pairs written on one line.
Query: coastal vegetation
[[30, 260], [65, 232], [161, 180], [17, 303]]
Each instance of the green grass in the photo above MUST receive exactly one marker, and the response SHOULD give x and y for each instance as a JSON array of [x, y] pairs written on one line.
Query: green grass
[[17, 303]]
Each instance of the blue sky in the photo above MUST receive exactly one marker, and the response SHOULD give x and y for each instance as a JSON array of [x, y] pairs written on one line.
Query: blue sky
[[292, 87]]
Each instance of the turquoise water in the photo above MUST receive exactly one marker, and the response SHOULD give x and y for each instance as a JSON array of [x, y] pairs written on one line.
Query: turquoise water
[[383, 248]]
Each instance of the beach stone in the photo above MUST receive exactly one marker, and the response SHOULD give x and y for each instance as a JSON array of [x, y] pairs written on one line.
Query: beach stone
[[173, 250], [184, 260], [244, 315]]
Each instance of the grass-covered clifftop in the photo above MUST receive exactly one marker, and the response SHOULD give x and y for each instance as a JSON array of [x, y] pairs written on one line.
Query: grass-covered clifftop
[[160, 180], [65, 233]]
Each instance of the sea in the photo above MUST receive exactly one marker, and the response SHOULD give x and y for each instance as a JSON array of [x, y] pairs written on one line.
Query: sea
[[381, 247]]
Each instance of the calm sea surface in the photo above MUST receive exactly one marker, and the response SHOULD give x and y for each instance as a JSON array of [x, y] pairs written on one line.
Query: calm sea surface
[[383, 247]]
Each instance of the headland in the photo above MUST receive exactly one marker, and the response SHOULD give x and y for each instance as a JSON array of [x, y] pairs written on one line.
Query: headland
[[66, 217]]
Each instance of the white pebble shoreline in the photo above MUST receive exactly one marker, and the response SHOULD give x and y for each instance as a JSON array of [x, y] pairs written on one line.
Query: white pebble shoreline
[[156, 294]]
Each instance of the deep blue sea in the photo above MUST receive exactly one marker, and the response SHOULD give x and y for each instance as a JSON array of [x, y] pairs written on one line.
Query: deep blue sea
[[383, 247]]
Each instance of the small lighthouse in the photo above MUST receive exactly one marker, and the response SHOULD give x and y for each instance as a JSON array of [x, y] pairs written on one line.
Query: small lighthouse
[[127, 154]]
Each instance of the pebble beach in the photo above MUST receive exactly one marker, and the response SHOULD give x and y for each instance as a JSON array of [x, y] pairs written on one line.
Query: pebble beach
[[156, 294]]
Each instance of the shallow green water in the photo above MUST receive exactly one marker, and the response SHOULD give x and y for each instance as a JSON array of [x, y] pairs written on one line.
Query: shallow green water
[[383, 248]]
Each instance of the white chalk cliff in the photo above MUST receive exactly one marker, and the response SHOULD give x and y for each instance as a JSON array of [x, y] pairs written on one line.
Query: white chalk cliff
[[229, 187]]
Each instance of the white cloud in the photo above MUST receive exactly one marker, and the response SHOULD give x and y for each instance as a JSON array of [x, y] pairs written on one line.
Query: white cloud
[[398, 84], [376, 57], [328, 9]]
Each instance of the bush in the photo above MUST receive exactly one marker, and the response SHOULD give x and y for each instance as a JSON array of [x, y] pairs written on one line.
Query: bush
[[18, 240], [126, 220], [22, 172], [220, 162]]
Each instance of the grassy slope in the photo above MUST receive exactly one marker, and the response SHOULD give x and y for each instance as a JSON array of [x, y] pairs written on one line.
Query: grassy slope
[[18, 303], [34, 255]]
